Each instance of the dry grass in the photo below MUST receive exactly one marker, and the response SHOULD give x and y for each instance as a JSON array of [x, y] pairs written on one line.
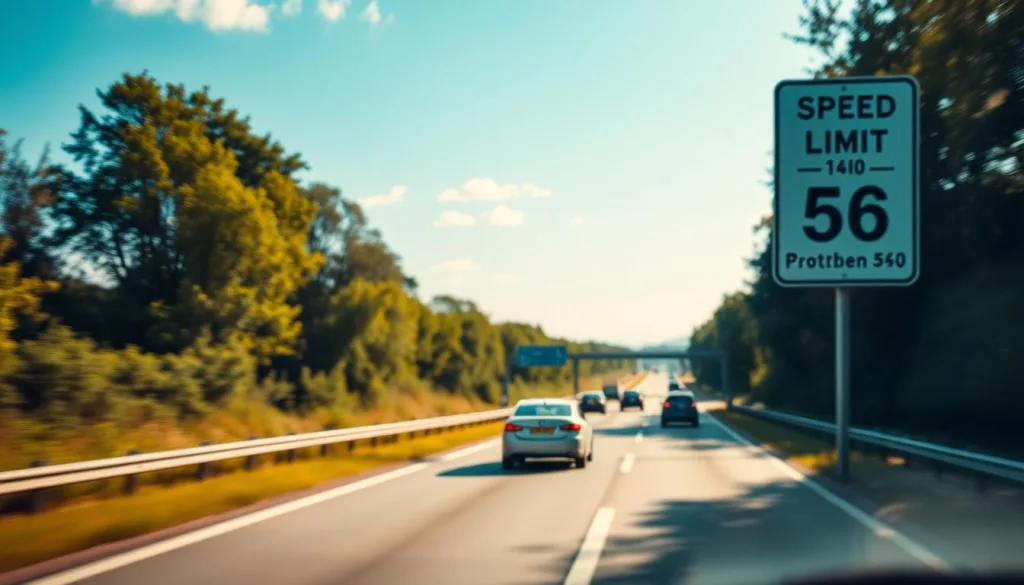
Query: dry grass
[[28, 539], [21, 442], [812, 453]]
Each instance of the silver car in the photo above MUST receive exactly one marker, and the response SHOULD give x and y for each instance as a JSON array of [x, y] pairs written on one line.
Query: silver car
[[547, 428]]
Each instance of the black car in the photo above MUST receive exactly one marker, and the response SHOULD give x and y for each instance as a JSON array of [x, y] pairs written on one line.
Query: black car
[[611, 392], [593, 402], [680, 407], [631, 399], [674, 386]]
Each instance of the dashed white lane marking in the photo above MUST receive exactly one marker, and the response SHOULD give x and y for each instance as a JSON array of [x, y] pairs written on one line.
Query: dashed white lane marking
[[627, 463], [639, 437], [583, 567]]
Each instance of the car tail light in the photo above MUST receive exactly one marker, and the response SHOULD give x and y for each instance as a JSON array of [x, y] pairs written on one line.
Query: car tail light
[[667, 404], [570, 427], [512, 428]]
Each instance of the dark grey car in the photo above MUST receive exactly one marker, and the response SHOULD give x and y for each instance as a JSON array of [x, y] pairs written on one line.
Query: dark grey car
[[680, 407]]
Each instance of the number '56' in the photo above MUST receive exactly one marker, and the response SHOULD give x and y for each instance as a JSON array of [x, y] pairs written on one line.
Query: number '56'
[[860, 208]]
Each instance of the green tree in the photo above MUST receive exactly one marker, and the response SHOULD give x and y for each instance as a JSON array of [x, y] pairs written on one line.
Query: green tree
[[25, 193], [196, 220]]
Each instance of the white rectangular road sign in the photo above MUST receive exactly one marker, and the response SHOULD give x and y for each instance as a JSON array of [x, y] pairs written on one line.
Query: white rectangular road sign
[[846, 182]]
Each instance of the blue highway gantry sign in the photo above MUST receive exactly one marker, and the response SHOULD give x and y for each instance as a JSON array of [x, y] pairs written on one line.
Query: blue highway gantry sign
[[541, 355]]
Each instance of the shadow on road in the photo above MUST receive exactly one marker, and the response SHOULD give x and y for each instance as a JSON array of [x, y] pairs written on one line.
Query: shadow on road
[[494, 468], [619, 431], [735, 540]]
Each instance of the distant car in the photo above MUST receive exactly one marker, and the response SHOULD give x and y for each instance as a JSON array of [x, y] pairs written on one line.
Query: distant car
[[593, 402], [547, 428], [611, 391], [680, 407], [631, 399], [673, 386]]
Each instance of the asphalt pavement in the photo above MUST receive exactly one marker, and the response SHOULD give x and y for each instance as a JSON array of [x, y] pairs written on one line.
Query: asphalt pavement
[[675, 505]]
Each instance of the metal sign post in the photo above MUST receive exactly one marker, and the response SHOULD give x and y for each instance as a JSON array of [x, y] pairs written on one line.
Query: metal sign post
[[846, 206], [843, 382]]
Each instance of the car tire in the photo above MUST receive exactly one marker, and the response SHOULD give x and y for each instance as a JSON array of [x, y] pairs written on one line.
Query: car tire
[[604, 410], [696, 424], [508, 463], [590, 454], [664, 424], [581, 462]]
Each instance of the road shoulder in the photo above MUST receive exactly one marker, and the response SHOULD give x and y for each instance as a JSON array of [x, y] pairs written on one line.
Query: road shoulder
[[949, 515]]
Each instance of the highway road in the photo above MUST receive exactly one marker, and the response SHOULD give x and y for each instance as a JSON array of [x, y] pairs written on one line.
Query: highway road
[[655, 506]]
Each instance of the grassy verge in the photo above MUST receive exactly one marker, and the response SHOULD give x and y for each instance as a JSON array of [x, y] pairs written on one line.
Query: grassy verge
[[82, 516], [23, 441], [25, 540]]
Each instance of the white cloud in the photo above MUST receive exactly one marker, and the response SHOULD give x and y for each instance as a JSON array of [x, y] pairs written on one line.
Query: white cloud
[[576, 221], [506, 277], [455, 219], [395, 195], [332, 10], [217, 15], [291, 7], [505, 216], [482, 189], [373, 15], [457, 265]]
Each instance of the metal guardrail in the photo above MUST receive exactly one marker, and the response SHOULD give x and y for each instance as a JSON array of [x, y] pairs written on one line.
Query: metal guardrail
[[128, 466], [938, 456], [24, 480]]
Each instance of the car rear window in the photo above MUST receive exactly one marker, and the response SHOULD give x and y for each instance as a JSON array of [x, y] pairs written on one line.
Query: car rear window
[[631, 394], [543, 410], [611, 387], [684, 400], [593, 395]]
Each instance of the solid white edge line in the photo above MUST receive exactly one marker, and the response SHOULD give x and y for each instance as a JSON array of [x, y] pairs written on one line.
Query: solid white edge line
[[585, 563], [468, 450], [627, 463], [879, 528], [140, 554]]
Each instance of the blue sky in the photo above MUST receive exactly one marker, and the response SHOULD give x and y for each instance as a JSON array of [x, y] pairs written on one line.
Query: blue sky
[[610, 155]]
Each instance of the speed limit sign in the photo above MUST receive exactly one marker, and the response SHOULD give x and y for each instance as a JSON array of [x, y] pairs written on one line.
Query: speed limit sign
[[846, 182]]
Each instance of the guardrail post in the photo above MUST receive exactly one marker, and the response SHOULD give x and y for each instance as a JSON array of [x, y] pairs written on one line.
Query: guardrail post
[[131, 482], [37, 498], [325, 449], [250, 461], [291, 452], [203, 470]]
